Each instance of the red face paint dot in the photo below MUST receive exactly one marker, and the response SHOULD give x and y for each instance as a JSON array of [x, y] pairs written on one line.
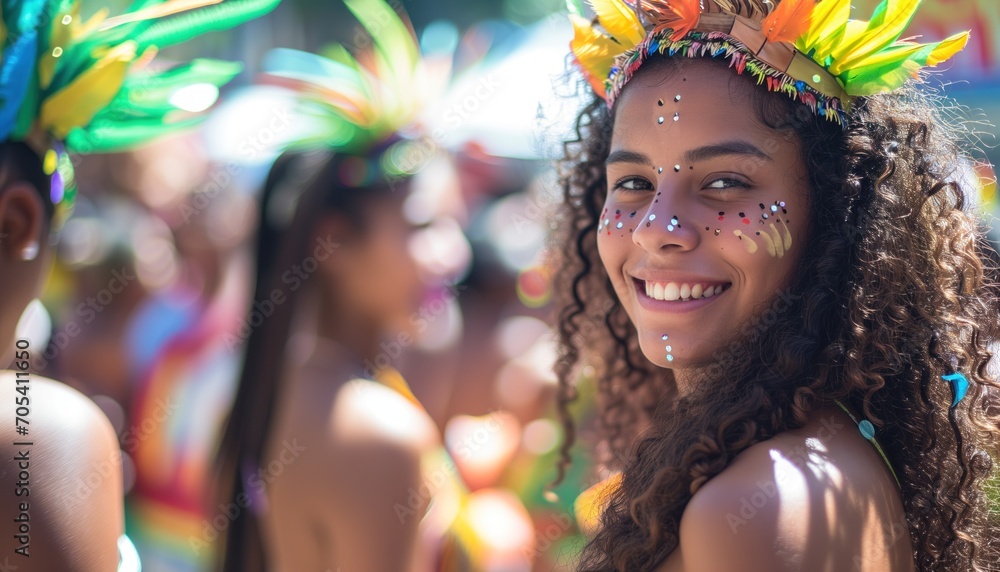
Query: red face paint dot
[[722, 218], [746, 221]]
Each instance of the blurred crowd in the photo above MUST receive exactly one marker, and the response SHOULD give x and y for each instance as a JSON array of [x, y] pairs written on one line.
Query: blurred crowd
[[149, 304]]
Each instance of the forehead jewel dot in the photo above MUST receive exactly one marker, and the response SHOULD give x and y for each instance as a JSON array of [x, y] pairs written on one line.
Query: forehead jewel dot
[[677, 168], [677, 116], [659, 102], [660, 120], [660, 170], [677, 97]]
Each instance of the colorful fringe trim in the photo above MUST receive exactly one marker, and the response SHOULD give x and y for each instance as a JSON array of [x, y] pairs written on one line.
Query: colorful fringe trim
[[716, 44]]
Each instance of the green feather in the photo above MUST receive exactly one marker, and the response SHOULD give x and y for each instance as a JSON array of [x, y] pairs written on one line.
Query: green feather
[[112, 137], [395, 49], [188, 25]]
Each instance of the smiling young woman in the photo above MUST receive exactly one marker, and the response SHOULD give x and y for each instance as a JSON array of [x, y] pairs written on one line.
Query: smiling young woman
[[802, 296]]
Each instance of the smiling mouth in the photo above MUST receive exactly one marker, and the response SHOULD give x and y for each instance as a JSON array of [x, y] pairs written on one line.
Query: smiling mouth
[[681, 291]]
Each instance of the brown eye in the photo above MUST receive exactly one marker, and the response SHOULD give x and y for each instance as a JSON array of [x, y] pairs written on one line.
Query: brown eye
[[633, 184], [725, 183]]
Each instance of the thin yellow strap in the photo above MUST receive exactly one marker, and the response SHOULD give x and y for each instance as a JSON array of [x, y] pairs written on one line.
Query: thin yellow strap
[[870, 436], [391, 378]]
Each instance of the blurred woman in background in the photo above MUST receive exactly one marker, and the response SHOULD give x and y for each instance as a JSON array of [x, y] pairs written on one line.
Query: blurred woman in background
[[328, 461]]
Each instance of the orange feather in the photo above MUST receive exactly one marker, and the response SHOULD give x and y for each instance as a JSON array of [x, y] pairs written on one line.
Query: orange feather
[[789, 21], [681, 16]]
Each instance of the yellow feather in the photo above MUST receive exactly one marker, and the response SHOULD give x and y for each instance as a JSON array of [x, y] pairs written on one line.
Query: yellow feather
[[829, 17], [75, 105], [620, 21], [594, 52], [60, 37], [88, 27], [877, 35], [948, 48]]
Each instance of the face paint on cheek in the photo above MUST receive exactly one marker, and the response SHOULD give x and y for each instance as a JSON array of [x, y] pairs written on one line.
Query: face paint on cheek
[[748, 242]]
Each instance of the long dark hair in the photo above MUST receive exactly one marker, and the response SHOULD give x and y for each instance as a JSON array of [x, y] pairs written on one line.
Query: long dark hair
[[898, 285], [300, 187]]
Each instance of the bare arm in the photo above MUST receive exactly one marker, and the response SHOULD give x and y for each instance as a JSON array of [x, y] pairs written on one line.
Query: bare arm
[[377, 499], [71, 501]]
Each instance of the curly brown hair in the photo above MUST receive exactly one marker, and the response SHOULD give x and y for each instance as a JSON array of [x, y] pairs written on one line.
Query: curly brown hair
[[897, 286]]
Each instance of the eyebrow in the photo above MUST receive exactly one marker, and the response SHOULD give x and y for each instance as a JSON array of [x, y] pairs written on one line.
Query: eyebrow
[[622, 156], [704, 153], [735, 147]]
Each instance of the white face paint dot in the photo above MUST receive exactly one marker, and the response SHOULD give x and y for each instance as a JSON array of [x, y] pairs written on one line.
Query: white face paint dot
[[774, 208], [670, 357], [660, 170], [677, 116], [619, 225], [670, 227], [660, 120], [677, 98], [817, 79], [652, 217], [663, 337]]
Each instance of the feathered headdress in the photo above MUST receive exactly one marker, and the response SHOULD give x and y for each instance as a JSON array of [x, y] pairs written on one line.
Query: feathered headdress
[[81, 86], [811, 50], [356, 103]]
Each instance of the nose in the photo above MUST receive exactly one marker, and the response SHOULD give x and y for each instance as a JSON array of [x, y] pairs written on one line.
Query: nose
[[665, 227], [441, 251]]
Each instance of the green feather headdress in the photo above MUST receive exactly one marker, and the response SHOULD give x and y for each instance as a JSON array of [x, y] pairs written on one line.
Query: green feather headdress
[[85, 86], [359, 103]]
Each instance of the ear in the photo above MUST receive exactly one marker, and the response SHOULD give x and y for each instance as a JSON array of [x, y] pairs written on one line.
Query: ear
[[22, 219]]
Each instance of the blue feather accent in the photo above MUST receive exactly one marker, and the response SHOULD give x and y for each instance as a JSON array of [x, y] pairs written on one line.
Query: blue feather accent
[[959, 383], [18, 65]]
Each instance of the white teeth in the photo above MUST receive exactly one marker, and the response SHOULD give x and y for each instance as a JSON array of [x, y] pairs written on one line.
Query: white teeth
[[671, 291]]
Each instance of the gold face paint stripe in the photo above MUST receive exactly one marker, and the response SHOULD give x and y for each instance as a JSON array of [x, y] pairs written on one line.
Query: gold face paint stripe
[[768, 243], [748, 242], [779, 247], [788, 234]]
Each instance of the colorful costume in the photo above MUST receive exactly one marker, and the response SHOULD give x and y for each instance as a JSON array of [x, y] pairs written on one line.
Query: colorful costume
[[69, 85]]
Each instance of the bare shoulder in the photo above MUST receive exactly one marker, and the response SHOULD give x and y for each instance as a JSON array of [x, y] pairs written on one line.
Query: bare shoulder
[[69, 465], [370, 440], [818, 498], [72, 427]]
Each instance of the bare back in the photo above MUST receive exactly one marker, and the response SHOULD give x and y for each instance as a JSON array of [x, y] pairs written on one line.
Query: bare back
[[340, 469]]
